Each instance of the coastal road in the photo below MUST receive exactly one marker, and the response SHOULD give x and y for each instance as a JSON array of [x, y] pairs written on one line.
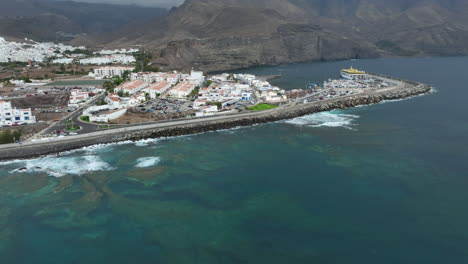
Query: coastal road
[[74, 116]]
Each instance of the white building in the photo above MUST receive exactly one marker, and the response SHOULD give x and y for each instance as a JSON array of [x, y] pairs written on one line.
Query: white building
[[132, 87], [247, 95], [10, 115], [63, 61], [104, 114], [31, 51], [197, 77], [220, 77], [223, 91], [199, 103], [182, 90], [172, 78], [134, 100], [113, 101], [77, 97], [206, 110], [111, 71], [148, 77], [158, 88], [246, 78], [109, 59]]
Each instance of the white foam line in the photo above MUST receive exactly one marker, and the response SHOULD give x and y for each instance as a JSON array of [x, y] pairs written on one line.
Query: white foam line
[[147, 162]]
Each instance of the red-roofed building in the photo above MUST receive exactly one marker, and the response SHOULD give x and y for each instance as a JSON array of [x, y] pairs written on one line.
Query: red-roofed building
[[131, 87], [158, 88], [182, 90]]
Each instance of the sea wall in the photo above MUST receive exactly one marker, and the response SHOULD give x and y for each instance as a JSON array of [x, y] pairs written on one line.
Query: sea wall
[[200, 126]]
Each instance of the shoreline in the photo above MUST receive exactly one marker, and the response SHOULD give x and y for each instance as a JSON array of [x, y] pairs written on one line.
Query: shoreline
[[188, 127]]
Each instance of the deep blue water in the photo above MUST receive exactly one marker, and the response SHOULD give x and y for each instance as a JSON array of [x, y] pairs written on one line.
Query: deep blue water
[[385, 183]]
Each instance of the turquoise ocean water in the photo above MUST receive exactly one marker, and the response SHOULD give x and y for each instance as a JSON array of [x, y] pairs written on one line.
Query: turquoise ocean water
[[386, 183]]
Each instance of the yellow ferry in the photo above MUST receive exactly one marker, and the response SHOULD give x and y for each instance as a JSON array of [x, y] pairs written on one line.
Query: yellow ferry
[[352, 74]]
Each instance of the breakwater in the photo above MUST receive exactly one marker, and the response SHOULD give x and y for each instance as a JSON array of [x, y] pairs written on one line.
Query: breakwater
[[185, 127]]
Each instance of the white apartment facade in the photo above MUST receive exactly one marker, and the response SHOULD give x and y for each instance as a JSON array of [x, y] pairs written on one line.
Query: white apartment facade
[[10, 115]]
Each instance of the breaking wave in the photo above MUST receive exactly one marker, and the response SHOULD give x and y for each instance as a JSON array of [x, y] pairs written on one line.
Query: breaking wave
[[147, 162], [325, 119], [61, 166], [146, 142]]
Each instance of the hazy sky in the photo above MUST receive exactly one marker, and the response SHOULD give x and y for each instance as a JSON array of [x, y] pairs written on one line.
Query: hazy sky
[[159, 3]]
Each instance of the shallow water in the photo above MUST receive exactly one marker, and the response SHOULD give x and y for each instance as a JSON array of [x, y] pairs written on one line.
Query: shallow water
[[378, 184]]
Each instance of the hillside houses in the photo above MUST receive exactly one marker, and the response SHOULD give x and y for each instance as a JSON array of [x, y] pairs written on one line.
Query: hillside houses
[[31, 51]]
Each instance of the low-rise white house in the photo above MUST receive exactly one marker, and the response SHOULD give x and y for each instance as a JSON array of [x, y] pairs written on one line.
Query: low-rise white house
[[206, 110], [10, 115], [247, 95], [199, 103], [104, 113], [77, 97], [135, 100], [112, 100]]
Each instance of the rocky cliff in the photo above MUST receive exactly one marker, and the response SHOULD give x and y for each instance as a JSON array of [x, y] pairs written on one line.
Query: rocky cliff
[[50, 20], [227, 34]]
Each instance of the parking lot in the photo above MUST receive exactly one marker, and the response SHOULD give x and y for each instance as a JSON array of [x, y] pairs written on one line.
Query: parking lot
[[165, 106]]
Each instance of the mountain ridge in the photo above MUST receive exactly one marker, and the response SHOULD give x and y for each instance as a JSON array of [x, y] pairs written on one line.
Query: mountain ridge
[[47, 20], [227, 34]]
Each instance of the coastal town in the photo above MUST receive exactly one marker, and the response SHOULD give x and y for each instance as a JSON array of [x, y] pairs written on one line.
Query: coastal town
[[121, 92]]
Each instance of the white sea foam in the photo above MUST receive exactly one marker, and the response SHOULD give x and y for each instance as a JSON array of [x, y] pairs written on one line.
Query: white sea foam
[[325, 119], [147, 162], [146, 142], [61, 166]]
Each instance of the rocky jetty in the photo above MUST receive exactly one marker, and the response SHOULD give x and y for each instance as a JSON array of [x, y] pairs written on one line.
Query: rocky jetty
[[187, 127]]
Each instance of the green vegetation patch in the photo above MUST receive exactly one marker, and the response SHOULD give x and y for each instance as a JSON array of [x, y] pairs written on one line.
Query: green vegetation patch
[[72, 127], [195, 92], [262, 107], [9, 137], [84, 118]]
